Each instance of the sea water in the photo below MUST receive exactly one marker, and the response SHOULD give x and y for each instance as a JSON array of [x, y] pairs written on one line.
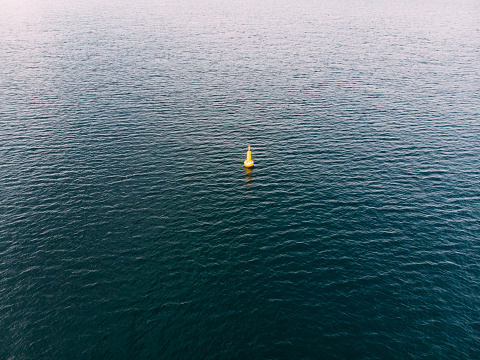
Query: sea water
[[129, 228]]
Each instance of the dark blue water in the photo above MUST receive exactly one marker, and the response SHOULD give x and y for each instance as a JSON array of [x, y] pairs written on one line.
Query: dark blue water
[[129, 228]]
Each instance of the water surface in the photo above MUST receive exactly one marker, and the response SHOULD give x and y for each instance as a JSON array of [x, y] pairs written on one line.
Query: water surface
[[130, 228]]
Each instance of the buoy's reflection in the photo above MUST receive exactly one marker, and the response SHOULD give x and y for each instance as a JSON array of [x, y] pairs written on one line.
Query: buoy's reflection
[[248, 177]]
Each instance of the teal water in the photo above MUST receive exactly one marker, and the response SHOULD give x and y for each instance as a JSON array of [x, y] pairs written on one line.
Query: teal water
[[130, 229]]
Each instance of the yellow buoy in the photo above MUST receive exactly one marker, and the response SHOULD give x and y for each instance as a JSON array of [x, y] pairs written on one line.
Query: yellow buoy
[[248, 162]]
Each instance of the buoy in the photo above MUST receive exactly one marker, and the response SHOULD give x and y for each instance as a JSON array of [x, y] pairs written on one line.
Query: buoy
[[248, 162]]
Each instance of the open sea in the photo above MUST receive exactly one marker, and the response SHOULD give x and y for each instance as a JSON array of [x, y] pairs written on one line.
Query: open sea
[[130, 229]]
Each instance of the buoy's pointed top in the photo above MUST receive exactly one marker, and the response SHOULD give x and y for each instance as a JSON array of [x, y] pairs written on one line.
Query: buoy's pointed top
[[248, 147]]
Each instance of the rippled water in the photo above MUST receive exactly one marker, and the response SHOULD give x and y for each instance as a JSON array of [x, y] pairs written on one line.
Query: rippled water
[[129, 227]]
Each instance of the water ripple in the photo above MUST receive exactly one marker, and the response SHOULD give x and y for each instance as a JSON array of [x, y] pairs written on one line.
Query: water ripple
[[130, 228]]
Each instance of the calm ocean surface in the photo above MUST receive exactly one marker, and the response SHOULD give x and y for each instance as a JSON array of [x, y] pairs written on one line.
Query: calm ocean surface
[[129, 228]]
